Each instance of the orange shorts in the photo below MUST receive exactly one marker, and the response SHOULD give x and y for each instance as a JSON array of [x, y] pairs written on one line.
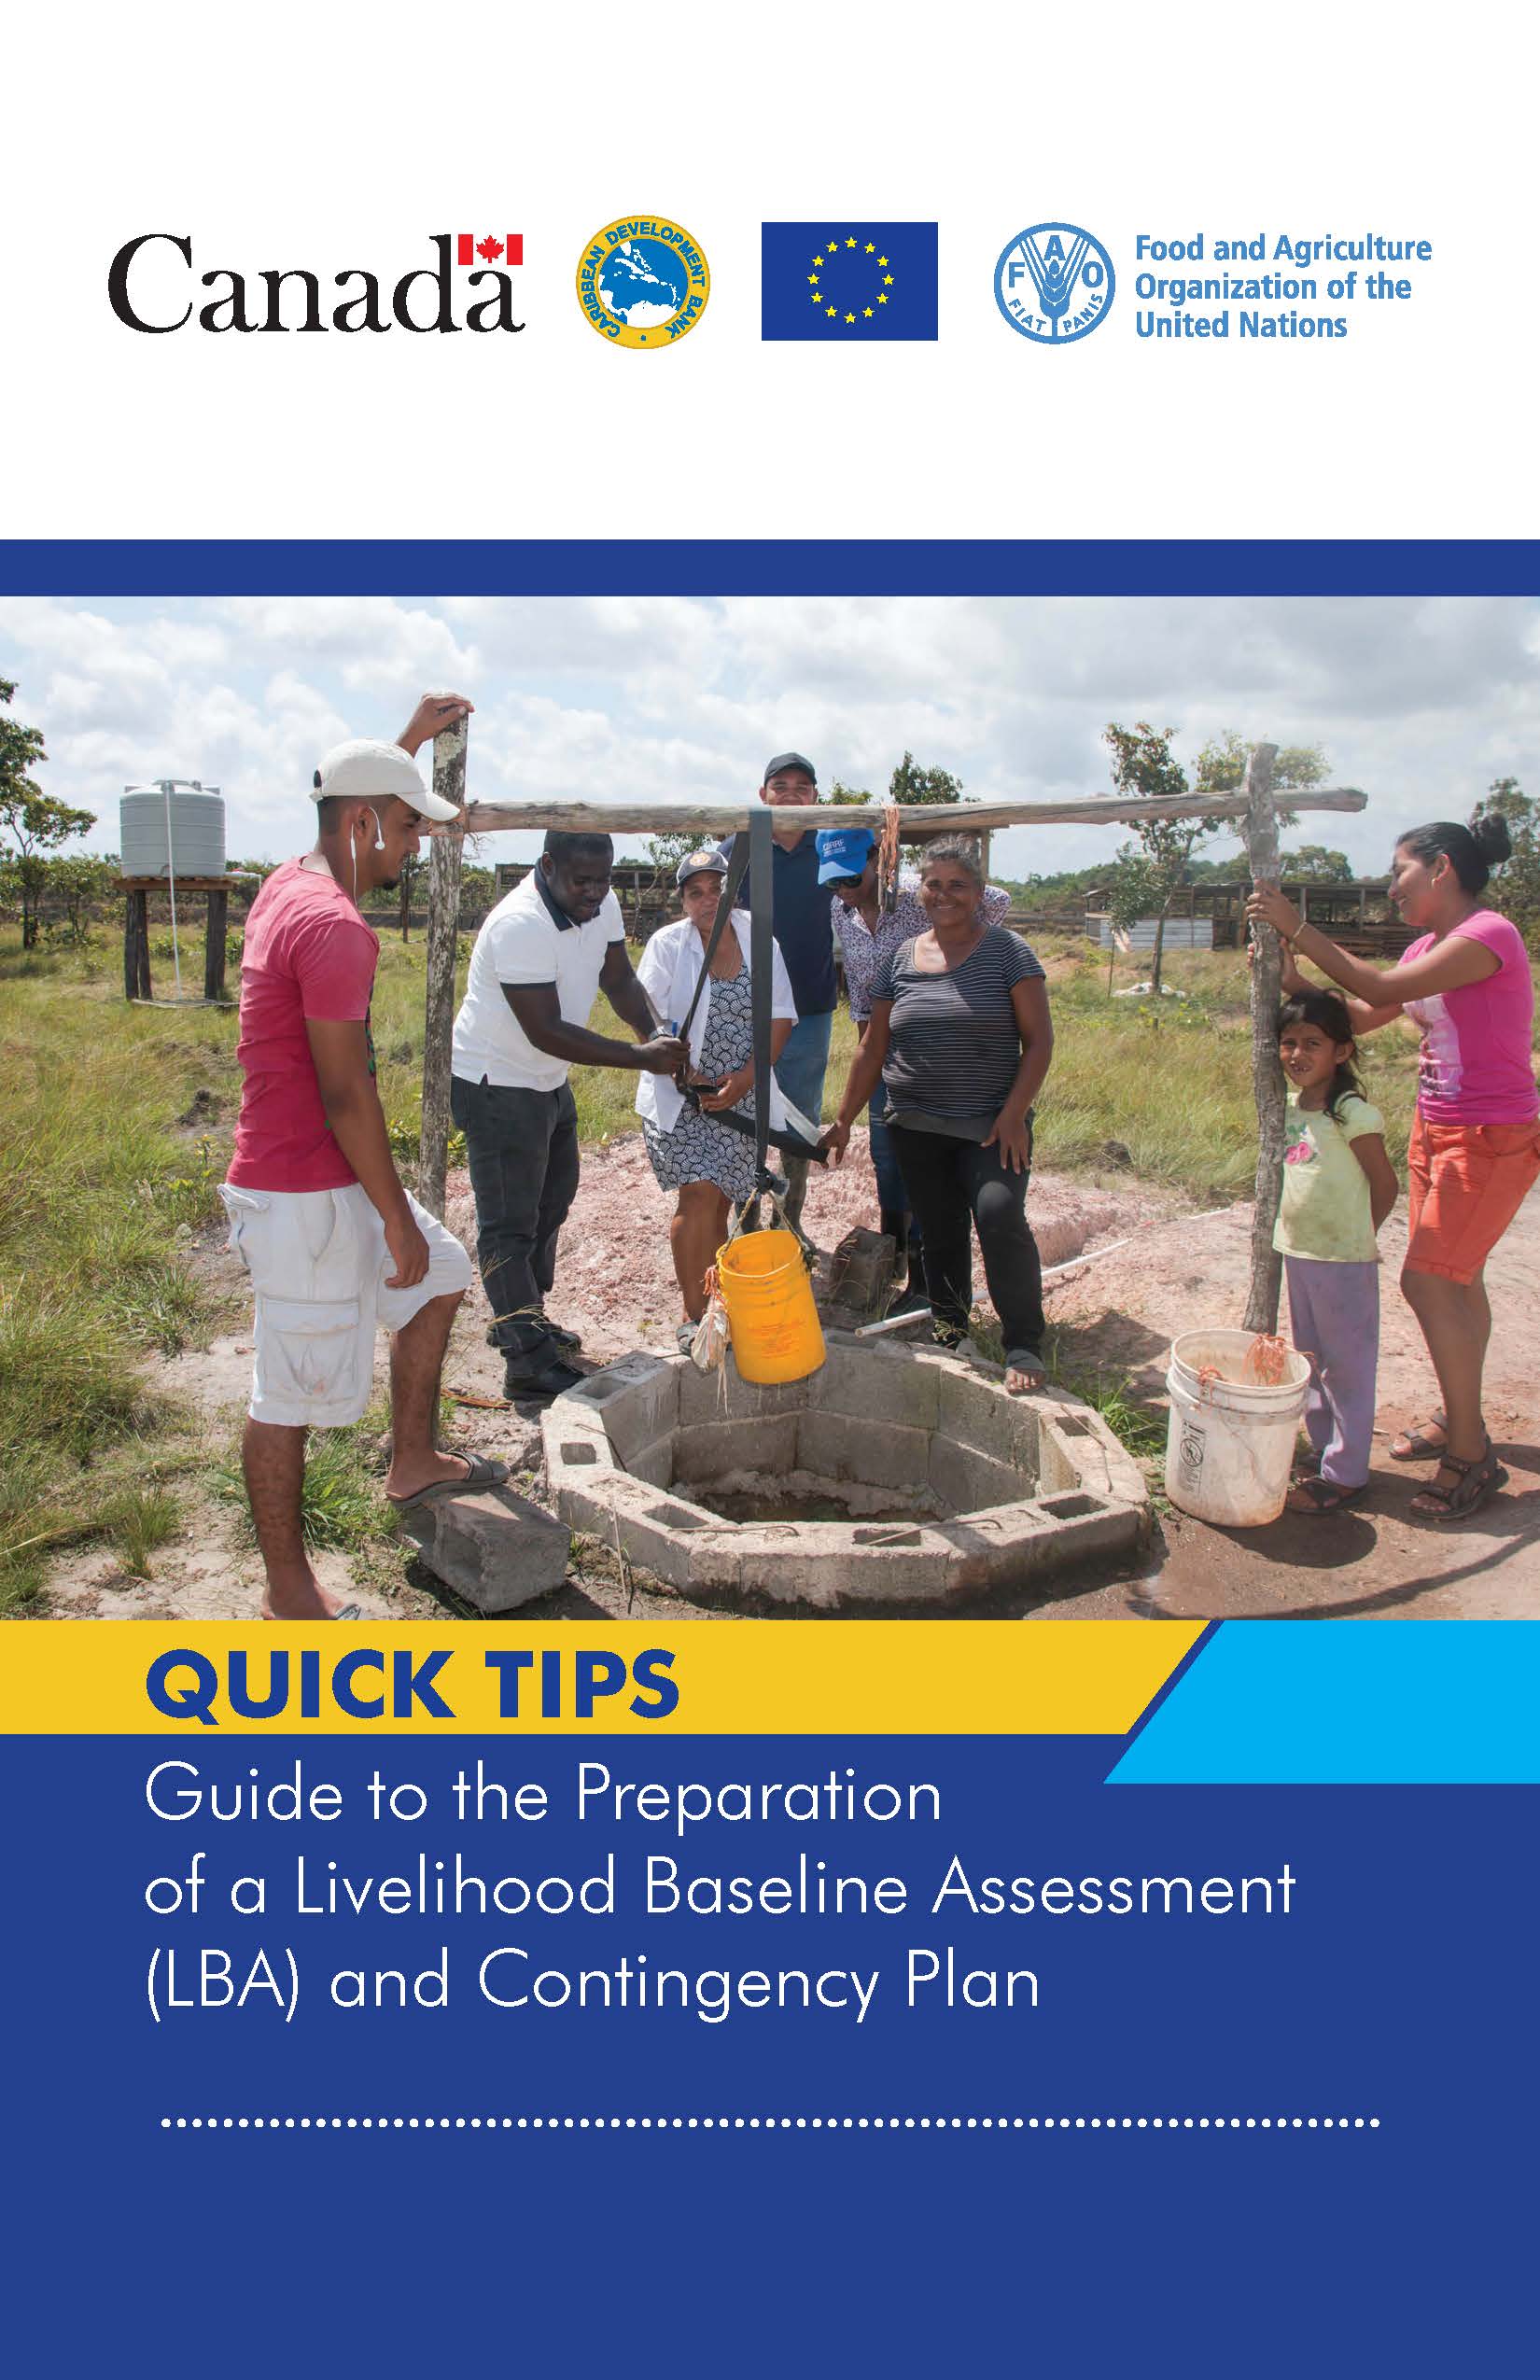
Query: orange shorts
[[1466, 1183]]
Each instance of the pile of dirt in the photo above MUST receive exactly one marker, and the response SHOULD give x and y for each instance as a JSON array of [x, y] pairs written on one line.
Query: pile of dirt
[[615, 1280]]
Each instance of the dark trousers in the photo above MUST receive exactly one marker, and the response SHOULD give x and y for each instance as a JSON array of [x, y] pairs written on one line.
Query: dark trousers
[[953, 1186], [522, 1153]]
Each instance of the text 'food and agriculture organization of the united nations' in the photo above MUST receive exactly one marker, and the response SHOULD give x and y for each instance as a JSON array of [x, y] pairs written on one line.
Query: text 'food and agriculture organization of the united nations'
[[1305, 287]]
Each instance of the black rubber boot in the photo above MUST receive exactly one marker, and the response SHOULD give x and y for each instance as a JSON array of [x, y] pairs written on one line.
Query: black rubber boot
[[916, 1297]]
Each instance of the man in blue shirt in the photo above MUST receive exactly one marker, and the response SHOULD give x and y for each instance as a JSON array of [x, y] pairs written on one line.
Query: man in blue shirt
[[800, 912]]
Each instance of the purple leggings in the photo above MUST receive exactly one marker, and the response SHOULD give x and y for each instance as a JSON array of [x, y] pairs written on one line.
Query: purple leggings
[[1334, 1310]]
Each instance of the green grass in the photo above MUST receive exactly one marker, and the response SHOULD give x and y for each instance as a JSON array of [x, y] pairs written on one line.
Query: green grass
[[340, 1507], [101, 1191]]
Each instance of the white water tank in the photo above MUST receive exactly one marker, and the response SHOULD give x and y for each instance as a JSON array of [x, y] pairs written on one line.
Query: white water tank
[[174, 827]]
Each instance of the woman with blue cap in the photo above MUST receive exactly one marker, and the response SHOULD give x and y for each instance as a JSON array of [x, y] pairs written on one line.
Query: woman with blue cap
[[868, 932], [694, 1153]]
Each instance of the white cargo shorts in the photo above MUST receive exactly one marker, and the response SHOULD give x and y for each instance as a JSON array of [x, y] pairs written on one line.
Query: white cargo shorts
[[319, 1264]]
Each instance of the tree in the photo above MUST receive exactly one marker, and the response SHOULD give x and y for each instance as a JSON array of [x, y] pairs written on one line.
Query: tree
[[1143, 765], [909, 782], [1515, 886], [80, 883], [1131, 895], [1312, 863], [32, 820]]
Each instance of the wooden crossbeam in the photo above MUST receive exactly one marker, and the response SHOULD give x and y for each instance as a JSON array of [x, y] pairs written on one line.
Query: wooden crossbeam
[[918, 821]]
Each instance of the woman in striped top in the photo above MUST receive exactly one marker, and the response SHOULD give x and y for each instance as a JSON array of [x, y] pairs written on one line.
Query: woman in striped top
[[961, 1038]]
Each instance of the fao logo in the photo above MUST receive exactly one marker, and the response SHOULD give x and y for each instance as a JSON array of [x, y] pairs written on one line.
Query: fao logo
[[1054, 283]]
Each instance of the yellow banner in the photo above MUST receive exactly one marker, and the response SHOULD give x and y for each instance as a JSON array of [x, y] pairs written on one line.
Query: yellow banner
[[793, 1677]]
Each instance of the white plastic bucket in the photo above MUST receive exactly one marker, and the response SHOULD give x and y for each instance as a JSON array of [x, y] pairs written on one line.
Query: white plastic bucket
[[1230, 1445]]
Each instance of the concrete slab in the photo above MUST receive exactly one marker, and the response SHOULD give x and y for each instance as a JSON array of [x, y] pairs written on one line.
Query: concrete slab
[[615, 1446], [495, 1548], [966, 1480], [974, 1411], [636, 1400], [885, 1455], [712, 1449], [872, 1383], [721, 1397]]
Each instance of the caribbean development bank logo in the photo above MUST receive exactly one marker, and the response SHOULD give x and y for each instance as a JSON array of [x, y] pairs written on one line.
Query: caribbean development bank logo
[[643, 282], [1054, 283]]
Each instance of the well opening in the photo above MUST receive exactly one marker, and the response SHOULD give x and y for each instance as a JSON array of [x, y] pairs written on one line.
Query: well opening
[[892, 1478]]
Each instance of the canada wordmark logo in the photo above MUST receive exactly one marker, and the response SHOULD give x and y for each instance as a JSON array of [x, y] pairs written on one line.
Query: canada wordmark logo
[[154, 286]]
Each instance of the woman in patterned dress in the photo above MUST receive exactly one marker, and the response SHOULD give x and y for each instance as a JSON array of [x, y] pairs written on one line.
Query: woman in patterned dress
[[710, 1166]]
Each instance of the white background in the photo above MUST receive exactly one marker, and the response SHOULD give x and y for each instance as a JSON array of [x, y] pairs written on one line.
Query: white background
[[325, 136]]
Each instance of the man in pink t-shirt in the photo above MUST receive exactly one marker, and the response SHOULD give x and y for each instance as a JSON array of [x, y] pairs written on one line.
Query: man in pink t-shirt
[[335, 1243]]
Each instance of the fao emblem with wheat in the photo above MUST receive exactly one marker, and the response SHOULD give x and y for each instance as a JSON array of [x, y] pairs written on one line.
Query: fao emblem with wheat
[[1054, 283]]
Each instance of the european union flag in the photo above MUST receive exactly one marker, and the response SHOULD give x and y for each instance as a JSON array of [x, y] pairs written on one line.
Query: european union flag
[[845, 283]]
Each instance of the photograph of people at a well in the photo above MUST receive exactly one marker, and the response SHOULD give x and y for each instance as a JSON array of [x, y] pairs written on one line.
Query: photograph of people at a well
[[1008, 1107]]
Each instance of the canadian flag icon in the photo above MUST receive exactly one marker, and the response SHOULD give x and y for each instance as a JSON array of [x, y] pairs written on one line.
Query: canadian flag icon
[[489, 248]]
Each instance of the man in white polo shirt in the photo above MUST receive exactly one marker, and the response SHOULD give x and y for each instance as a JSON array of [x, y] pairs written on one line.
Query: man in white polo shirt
[[541, 959]]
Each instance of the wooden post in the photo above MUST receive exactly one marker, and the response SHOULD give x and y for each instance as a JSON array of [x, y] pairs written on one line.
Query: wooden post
[[136, 945], [1266, 1073], [443, 925], [214, 946]]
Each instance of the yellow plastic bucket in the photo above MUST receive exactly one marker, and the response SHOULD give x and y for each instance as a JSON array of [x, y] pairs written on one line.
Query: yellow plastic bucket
[[768, 1293]]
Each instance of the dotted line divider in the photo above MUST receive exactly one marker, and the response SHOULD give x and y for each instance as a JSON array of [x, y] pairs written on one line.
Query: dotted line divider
[[770, 2123]]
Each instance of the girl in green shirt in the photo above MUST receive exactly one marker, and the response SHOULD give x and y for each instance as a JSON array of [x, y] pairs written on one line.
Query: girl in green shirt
[[1339, 1186]]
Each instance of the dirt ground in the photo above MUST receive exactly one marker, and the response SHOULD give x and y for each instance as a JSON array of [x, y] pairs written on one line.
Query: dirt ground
[[1116, 1315]]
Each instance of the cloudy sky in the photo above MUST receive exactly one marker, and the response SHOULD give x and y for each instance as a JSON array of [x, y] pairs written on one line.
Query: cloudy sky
[[1419, 702]]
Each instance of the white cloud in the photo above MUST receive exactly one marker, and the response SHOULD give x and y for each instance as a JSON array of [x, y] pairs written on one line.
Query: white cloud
[[1419, 700]]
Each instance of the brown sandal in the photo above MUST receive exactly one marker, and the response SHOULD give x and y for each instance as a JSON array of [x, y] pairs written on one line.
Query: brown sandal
[[1415, 1446], [1321, 1495], [1478, 1480]]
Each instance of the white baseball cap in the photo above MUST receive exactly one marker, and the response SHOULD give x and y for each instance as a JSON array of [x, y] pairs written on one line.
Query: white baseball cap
[[366, 770]]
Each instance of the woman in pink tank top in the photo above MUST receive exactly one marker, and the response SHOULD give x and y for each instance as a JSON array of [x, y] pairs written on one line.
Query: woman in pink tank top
[[1475, 1150]]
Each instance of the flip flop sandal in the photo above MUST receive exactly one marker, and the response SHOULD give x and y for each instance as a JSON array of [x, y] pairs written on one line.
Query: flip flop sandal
[[1324, 1495], [1022, 1359], [1478, 1480], [1418, 1447], [485, 1471]]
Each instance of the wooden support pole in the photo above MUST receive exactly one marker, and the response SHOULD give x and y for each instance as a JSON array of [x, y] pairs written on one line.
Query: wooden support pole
[[214, 945], [1266, 1073], [137, 944], [443, 936], [917, 821]]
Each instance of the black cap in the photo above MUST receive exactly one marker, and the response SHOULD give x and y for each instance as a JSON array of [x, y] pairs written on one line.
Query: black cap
[[787, 760]]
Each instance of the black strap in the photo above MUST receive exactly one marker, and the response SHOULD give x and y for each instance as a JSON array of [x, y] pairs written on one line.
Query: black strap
[[762, 895]]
